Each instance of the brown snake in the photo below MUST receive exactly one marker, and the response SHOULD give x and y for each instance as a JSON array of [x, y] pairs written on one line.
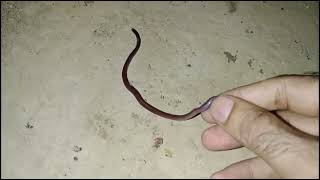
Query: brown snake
[[193, 113]]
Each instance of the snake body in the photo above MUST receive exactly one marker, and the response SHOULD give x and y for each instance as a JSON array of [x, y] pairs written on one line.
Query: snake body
[[193, 113]]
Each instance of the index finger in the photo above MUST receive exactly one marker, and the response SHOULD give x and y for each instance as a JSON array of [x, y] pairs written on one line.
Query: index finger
[[297, 93]]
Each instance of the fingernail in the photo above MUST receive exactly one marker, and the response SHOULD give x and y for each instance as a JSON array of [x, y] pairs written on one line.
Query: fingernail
[[222, 107]]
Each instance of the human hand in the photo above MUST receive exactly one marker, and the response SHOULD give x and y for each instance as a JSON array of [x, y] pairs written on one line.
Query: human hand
[[277, 119]]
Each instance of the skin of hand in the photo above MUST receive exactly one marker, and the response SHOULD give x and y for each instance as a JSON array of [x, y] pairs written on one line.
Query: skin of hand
[[277, 119]]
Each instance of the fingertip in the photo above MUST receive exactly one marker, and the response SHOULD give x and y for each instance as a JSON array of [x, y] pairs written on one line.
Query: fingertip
[[217, 176], [253, 168], [207, 117], [216, 139], [221, 108], [205, 138]]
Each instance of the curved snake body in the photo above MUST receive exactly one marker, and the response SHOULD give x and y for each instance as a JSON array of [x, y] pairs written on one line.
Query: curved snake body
[[148, 106]]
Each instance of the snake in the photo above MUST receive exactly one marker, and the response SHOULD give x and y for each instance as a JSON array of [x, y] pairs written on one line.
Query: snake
[[176, 117]]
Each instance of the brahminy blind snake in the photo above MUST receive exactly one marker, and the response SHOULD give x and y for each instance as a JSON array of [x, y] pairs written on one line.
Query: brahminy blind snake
[[193, 113]]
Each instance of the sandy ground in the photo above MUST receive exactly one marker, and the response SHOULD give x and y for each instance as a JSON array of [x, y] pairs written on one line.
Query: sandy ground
[[66, 112]]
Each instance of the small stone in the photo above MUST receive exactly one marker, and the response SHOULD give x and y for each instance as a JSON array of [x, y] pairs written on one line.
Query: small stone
[[77, 148], [157, 142]]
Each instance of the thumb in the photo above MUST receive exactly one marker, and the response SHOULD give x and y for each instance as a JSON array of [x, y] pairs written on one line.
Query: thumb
[[285, 149]]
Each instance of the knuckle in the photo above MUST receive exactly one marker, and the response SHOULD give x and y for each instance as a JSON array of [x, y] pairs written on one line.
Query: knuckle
[[281, 97], [260, 132], [264, 135], [251, 123]]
